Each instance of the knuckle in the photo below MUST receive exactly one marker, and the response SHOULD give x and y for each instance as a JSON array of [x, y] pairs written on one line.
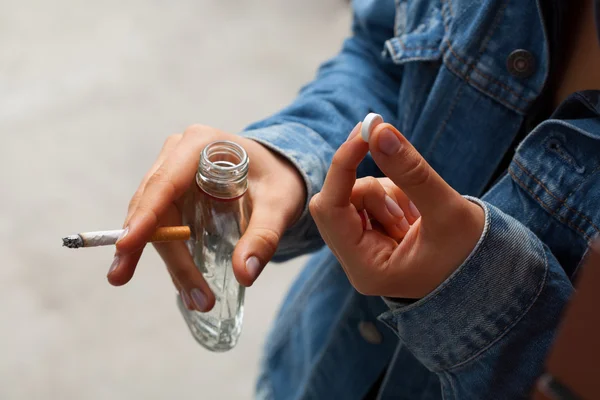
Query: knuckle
[[370, 181], [199, 129], [194, 128], [181, 276], [373, 185], [338, 161], [314, 205], [162, 178], [159, 176], [268, 238], [386, 182], [135, 199], [143, 210], [172, 139], [416, 171], [176, 137]]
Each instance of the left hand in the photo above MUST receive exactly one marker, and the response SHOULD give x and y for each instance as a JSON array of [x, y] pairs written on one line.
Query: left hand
[[388, 260]]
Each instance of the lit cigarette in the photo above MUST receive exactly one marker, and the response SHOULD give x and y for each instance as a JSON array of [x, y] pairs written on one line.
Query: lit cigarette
[[107, 238]]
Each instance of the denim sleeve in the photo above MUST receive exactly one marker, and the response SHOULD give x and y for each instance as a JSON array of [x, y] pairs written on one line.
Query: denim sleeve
[[486, 330], [349, 86]]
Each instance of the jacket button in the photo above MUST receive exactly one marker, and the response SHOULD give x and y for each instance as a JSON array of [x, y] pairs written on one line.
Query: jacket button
[[369, 332], [520, 63]]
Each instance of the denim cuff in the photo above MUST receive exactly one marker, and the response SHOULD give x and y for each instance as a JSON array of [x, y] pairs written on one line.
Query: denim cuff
[[310, 154], [480, 302]]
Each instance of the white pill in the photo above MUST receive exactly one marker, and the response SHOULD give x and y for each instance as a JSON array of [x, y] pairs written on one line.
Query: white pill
[[369, 123]]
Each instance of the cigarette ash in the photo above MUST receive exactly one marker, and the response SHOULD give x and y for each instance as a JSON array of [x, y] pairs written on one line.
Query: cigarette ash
[[73, 242]]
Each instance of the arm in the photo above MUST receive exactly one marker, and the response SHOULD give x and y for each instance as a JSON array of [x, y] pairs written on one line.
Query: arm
[[486, 330], [308, 132], [486, 292]]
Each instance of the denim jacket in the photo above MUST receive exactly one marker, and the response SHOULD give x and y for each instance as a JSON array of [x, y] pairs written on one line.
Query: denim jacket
[[447, 75]]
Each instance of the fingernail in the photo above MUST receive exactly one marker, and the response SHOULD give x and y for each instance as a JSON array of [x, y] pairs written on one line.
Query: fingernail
[[186, 299], [125, 232], [354, 132], [114, 264], [389, 143], [199, 299], [413, 210], [393, 207], [403, 225], [253, 267]]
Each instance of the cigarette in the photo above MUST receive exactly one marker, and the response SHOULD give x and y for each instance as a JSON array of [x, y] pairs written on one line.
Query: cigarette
[[107, 238]]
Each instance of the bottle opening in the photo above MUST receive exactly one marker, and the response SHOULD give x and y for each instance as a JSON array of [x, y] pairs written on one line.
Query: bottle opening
[[225, 154], [223, 169]]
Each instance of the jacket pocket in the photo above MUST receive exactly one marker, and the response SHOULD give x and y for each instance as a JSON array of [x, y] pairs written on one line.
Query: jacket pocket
[[419, 32]]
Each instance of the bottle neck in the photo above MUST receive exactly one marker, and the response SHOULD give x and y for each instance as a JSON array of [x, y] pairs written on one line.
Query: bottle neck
[[223, 170]]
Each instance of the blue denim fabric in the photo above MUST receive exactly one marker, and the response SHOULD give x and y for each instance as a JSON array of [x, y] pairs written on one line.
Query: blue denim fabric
[[438, 71]]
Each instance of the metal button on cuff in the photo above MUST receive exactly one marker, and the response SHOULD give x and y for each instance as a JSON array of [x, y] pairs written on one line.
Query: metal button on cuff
[[521, 63], [369, 332]]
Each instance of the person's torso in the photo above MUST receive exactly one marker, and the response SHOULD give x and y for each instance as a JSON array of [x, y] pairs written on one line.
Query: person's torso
[[472, 73]]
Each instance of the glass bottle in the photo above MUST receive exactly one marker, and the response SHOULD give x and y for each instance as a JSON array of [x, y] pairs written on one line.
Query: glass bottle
[[217, 212]]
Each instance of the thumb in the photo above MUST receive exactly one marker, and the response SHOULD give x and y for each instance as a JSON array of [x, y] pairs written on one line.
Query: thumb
[[405, 166], [258, 244]]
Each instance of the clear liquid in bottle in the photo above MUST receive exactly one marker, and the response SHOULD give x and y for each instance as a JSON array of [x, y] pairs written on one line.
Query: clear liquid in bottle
[[217, 213]]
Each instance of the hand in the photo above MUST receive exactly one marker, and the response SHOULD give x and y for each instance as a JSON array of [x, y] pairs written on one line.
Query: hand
[[277, 195], [392, 260]]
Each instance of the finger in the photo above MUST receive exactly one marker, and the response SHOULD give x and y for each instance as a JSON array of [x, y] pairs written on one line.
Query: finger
[[185, 275], [182, 293], [410, 212], [403, 164], [124, 270], [167, 184], [258, 243], [123, 267], [363, 254], [341, 176], [183, 270], [170, 144], [117, 275], [185, 298], [369, 194]]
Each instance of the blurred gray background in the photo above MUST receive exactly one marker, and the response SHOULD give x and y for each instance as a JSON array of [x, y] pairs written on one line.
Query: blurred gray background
[[88, 92]]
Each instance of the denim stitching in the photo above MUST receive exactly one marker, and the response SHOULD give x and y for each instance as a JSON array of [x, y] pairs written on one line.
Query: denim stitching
[[495, 25], [454, 101], [448, 2], [437, 135], [473, 67], [562, 202], [513, 322], [592, 173], [396, 22], [443, 287], [562, 152], [485, 90], [509, 324], [545, 206], [405, 48]]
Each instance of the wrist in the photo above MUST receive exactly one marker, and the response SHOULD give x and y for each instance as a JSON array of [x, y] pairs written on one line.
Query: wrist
[[297, 187]]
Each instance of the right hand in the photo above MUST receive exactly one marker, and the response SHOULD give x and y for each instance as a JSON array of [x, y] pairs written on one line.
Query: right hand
[[277, 196]]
